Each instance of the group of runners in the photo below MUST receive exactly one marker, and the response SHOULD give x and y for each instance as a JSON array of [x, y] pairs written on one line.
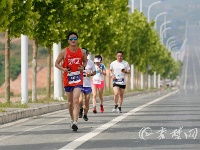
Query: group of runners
[[82, 76]]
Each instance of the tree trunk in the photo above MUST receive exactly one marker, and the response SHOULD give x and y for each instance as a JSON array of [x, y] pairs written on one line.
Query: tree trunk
[[34, 71], [49, 73], [7, 66]]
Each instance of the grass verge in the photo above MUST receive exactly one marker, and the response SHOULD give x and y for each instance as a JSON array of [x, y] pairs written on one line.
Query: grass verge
[[13, 105]]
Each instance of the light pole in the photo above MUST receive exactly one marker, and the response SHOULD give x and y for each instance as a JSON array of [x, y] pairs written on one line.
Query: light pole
[[172, 45], [156, 18], [140, 5], [24, 69], [148, 19], [132, 66], [166, 22], [174, 53], [167, 42], [132, 6], [58, 92], [148, 12], [163, 32]]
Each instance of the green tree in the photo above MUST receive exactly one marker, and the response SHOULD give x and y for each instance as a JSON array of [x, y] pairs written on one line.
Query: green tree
[[47, 28], [15, 19], [50, 28]]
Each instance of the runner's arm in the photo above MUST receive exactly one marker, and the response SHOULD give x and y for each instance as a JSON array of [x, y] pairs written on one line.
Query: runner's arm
[[84, 59], [58, 61]]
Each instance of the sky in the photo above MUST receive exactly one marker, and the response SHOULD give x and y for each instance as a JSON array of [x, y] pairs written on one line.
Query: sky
[[180, 13], [186, 10]]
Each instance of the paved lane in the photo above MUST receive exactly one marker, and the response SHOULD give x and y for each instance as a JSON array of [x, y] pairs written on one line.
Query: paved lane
[[154, 121]]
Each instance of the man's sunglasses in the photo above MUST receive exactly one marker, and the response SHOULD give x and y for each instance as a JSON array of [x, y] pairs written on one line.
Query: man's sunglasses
[[74, 38]]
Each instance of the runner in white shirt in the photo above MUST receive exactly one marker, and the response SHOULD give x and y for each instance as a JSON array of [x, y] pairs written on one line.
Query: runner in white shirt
[[98, 83], [118, 69], [86, 90]]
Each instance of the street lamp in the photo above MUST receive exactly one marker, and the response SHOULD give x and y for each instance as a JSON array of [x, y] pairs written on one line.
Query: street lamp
[[170, 43], [166, 22], [140, 5], [156, 18], [167, 42], [171, 46], [148, 12], [164, 31], [132, 6]]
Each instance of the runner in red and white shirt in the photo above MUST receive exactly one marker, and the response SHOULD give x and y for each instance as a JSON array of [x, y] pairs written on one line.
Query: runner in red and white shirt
[[73, 60]]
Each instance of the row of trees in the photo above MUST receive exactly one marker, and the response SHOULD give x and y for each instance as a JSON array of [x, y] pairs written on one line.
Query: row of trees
[[104, 27]]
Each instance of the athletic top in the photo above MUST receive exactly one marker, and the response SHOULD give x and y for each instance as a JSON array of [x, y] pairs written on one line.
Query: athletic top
[[117, 71], [90, 67], [73, 60], [98, 77]]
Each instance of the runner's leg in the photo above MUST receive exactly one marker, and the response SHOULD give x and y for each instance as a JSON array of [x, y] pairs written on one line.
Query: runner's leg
[[94, 92], [76, 95], [121, 96], [116, 94], [87, 99], [70, 103], [81, 105], [101, 95]]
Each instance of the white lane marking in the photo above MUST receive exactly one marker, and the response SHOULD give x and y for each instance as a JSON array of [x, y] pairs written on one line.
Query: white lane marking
[[60, 111], [49, 114], [76, 143]]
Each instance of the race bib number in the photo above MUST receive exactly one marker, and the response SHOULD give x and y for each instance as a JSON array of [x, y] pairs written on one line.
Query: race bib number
[[74, 77], [119, 81], [96, 81]]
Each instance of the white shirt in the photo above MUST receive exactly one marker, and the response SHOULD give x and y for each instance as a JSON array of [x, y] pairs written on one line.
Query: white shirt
[[98, 77], [90, 67], [117, 67]]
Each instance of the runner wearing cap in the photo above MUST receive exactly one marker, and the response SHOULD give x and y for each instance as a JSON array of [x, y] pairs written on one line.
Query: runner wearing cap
[[98, 82]]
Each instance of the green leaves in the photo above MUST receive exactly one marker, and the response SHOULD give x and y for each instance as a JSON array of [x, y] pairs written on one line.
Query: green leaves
[[104, 27]]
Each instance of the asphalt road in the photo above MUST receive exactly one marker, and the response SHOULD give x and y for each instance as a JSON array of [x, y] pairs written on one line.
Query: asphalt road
[[161, 120]]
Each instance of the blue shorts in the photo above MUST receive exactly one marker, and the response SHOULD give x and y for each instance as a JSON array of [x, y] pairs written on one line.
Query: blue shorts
[[86, 90], [71, 88]]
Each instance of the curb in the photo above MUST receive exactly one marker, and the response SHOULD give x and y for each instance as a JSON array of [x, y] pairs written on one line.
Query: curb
[[40, 110], [30, 112]]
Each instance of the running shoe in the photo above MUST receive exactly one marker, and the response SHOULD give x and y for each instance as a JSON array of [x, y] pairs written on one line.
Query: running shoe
[[119, 110], [101, 109], [94, 110], [74, 127], [85, 117], [115, 108]]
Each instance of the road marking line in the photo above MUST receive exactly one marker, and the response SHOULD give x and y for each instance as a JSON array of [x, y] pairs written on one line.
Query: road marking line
[[76, 143], [49, 114], [56, 112]]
